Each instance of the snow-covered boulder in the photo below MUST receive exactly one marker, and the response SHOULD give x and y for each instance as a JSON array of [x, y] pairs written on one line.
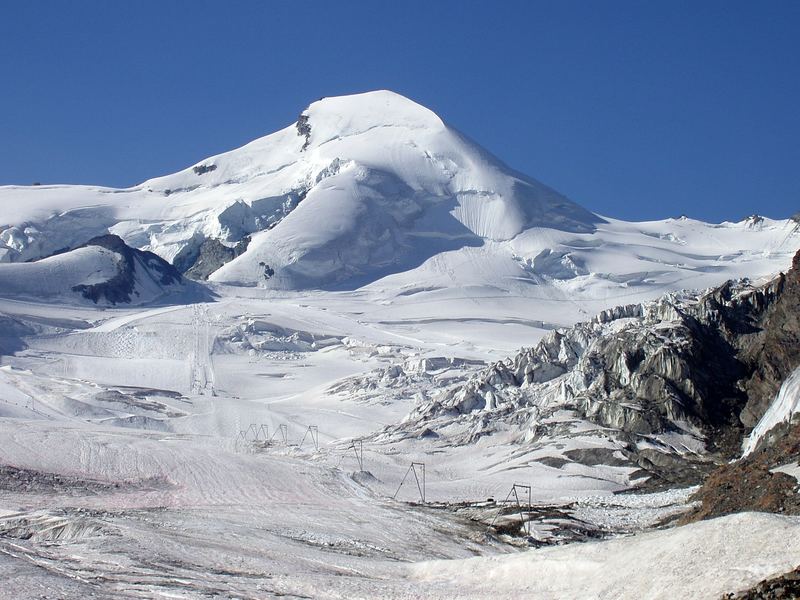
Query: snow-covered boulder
[[103, 271]]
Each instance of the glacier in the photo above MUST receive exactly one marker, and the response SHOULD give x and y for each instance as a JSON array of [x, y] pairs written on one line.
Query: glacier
[[345, 273]]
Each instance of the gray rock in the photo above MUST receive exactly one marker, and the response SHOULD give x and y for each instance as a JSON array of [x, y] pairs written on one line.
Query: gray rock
[[211, 255]]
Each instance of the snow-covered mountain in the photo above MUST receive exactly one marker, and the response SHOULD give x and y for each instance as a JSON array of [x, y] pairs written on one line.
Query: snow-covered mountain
[[366, 186], [369, 267], [358, 185]]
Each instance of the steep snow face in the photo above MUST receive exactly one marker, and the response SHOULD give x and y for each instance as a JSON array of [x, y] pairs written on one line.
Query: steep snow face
[[393, 187], [57, 274], [783, 408]]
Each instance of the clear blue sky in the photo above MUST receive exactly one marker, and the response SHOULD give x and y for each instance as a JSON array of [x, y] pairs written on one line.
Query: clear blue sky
[[637, 110]]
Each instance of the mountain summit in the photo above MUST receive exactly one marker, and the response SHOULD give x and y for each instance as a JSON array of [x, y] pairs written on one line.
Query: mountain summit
[[359, 185], [364, 187], [385, 185]]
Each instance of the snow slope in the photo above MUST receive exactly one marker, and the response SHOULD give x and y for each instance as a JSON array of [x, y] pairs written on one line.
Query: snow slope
[[95, 508], [105, 270], [703, 560], [375, 168], [58, 274], [363, 187]]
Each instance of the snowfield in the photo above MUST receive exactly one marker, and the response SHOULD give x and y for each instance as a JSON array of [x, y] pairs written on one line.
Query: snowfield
[[154, 515], [703, 560], [247, 436]]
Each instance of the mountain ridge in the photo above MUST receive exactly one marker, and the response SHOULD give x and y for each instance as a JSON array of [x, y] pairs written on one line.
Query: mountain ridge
[[364, 189]]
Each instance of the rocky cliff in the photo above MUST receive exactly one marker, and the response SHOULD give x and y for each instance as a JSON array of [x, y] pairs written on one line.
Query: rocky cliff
[[776, 351]]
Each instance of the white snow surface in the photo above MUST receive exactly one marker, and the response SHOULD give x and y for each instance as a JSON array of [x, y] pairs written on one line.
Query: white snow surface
[[57, 275], [56, 278], [405, 258], [703, 560], [782, 409], [141, 408], [382, 180]]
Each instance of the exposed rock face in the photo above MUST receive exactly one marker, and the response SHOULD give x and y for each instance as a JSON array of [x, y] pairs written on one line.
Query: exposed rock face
[[120, 288], [17, 479], [12, 334], [753, 483], [203, 169], [776, 352], [304, 129], [211, 255], [639, 368]]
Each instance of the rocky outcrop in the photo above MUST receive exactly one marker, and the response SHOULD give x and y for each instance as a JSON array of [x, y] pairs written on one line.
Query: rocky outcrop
[[640, 368], [304, 129], [211, 255], [133, 263], [203, 169], [776, 351], [13, 331], [752, 483]]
